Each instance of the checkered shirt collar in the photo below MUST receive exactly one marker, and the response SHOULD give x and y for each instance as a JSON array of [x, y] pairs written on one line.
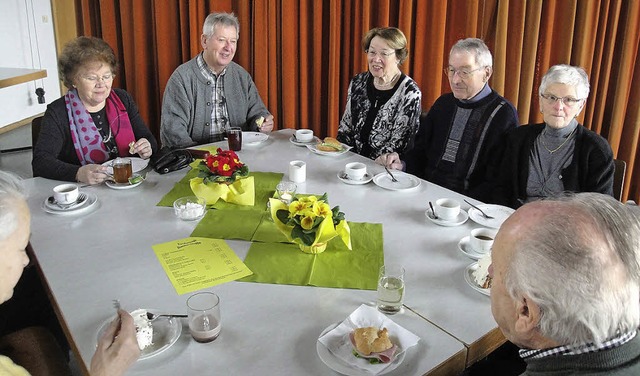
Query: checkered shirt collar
[[579, 349], [205, 70]]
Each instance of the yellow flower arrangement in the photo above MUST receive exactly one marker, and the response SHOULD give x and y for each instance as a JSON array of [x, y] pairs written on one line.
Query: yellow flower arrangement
[[310, 222]]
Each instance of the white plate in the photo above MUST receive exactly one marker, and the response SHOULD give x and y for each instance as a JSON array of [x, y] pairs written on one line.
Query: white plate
[[344, 368], [253, 138], [468, 276], [114, 185], [345, 179], [137, 164], [166, 332], [300, 143], [89, 202], [499, 212], [465, 247], [460, 219], [314, 148], [405, 182]]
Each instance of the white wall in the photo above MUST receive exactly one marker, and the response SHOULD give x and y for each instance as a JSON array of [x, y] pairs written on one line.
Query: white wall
[[27, 41]]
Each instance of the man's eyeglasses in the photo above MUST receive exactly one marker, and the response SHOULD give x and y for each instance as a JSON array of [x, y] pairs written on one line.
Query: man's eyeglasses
[[462, 73], [383, 54], [93, 79], [551, 99]]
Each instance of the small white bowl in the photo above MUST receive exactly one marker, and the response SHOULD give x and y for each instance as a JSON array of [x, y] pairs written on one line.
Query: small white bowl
[[190, 208]]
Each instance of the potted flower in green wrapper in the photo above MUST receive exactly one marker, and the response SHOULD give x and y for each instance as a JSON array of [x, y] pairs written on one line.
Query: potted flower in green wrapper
[[310, 222], [223, 176]]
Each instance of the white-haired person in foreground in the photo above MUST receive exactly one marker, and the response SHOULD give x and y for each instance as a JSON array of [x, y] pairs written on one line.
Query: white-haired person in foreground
[[117, 348], [565, 288]]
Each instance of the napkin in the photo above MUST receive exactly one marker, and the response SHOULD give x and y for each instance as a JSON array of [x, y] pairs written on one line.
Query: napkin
[[338, 343]]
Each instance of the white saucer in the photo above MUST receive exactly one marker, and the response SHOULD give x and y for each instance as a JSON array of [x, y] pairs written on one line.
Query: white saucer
[[465, 247], [462, 218], [345, 179], [300, 143], [405, 182], [468, 277], [253, 138], [499, 212], [114, 185], [314, 148], [89, 202]]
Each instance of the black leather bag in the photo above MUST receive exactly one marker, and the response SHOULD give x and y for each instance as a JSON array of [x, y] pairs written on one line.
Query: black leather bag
[[171, 160]]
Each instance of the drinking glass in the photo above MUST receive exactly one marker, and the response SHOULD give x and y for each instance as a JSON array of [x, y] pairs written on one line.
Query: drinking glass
[[203, 310], [122, 170], [286, 191], [390, 288], [234, 136]]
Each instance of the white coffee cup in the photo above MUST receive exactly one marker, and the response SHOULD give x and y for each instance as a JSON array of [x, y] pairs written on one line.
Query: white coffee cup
[[304, 135], [297, 171], [65, 193], [481, 239], [447, 209], [355, 170]]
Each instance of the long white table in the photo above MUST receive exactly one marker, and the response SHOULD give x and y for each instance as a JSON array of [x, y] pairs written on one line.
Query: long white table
[[106, 253]]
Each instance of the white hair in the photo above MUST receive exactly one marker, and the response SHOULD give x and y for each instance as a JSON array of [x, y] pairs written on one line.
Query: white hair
[[477, 48], [224, 19], [581, 266], [11, 189], [567, 75]]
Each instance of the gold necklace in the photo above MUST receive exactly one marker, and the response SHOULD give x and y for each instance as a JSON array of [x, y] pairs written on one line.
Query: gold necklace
[[561, 145]]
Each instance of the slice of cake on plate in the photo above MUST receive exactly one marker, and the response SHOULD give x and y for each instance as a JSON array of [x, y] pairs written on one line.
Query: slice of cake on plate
[[481, 274], [144, 329]]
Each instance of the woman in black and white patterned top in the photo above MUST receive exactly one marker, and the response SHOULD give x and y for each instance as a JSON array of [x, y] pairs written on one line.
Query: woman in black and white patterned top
[[383, 104]]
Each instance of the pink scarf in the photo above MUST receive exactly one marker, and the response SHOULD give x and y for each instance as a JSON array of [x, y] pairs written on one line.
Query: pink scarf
[[85, 136]]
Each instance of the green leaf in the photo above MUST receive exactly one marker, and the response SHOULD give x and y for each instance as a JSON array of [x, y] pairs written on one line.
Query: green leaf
[[282, 215]]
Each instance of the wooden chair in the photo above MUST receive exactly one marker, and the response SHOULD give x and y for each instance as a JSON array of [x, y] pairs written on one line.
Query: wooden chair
[[35, 130], [618, 178]]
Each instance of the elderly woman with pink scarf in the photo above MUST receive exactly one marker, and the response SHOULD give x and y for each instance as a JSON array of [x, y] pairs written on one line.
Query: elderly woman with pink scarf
[[92, 123]]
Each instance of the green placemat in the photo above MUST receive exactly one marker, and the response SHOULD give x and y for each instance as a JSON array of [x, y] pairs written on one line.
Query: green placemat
[[283, 263], [229, 224], [264, 183]]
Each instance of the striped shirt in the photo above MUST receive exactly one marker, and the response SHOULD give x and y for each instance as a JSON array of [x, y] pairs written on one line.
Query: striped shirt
[[579, 349]]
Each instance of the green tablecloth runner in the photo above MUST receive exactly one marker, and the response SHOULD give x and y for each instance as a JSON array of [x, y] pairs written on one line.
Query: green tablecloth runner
[[284, 263], [265, 186]]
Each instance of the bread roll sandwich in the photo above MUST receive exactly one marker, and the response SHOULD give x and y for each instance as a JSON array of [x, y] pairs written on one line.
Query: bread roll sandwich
[[329, 144], [373, 344], [131, 149]]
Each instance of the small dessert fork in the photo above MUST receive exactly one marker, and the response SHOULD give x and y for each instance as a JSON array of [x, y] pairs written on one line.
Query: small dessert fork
[[393, 178], [480, 210], [153, 316]]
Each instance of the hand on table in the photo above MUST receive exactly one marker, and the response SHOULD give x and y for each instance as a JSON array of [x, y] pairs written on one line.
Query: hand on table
[[267, 124], [142, 147], [117, 348], [390, 160], [92, 174]]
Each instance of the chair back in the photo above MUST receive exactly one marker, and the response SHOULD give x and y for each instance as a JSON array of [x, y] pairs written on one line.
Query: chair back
[[618, 178], [36, 124]]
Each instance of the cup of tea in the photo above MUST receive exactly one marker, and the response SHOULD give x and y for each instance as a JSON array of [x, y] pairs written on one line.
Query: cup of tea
[[122, 170], [234, 136], [481, 239], [203, 310], [447, 209], [355, 170], [390, 288], [65, 193], [304, 135]]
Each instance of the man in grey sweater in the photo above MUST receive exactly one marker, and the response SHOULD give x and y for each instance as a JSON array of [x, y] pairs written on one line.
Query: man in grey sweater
[[566, 285], [210, 93]]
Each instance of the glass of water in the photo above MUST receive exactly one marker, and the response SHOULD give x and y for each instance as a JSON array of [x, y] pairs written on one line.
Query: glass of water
[[390, 288]]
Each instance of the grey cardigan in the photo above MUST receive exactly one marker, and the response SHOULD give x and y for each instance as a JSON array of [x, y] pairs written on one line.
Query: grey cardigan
[[186, 105]]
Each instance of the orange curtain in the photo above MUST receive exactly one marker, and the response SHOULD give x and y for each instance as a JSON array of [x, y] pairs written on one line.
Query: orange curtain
[[302, 53]]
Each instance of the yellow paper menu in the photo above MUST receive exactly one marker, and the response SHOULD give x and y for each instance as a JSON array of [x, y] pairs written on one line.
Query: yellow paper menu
[[196, 263]]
